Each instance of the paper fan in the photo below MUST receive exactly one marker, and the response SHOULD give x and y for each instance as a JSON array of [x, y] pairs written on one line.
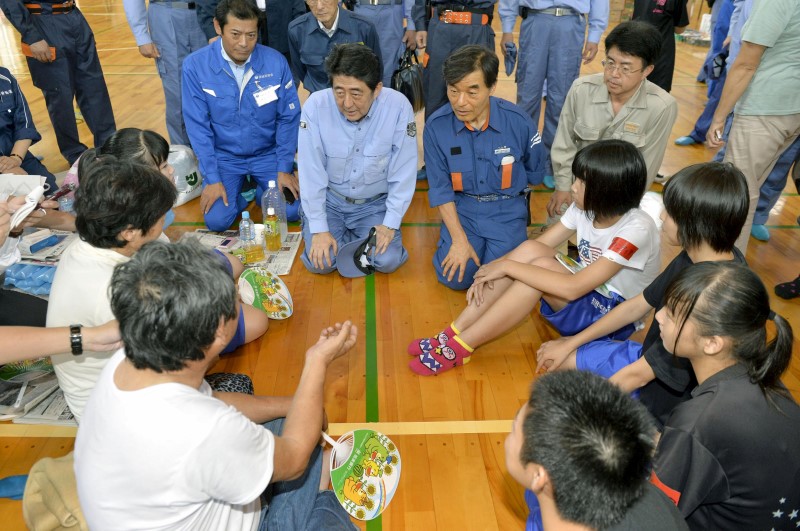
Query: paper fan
[[266, 291], [365, 472]]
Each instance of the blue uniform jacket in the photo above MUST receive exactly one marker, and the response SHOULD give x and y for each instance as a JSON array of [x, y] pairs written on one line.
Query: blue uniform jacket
[[309, 45], [16, 122], [452, 150], [224, 124]]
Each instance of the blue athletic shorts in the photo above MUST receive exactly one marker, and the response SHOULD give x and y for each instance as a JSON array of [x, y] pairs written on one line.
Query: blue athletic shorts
[[582, 312], [605, 356]]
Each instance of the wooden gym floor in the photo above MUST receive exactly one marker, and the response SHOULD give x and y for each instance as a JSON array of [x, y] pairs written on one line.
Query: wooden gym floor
[[449, 429]]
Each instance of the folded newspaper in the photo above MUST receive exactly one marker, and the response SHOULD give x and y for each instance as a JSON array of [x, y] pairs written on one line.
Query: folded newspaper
[[276, 262], [52, 410]]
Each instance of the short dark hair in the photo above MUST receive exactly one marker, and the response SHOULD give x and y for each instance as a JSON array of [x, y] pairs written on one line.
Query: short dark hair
[[116, 195], [169, 300], [709, 204], [354, 60], [637, 38], [241, 9], [136, 145], [467, 60], [615, 177], [595, 442], [728, 299]]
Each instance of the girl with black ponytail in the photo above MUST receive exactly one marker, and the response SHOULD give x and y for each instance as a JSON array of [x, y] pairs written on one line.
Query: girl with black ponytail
[[730, 456]]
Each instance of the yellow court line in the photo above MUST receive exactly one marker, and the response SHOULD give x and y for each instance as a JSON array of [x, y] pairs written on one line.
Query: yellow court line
[[447, 427]]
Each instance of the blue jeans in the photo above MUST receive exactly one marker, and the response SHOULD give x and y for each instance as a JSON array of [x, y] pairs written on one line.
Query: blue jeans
[[299, 504]]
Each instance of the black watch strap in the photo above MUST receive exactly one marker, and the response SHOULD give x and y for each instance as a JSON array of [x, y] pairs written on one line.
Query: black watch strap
[[76, 339]]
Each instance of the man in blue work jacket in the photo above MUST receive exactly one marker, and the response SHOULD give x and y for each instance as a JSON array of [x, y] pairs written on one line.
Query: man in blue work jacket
[[62, 58], [388, 16], [357, 164], [552, 42], [17, 132], [312, 36], [241, 112], [482, 153], [167, 32]]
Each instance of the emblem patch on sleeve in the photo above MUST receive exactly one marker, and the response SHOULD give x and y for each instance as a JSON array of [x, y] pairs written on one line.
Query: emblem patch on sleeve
[[411, 129], [303, 124]]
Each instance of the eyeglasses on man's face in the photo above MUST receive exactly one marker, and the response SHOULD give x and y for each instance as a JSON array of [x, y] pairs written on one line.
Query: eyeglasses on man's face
[[625, 70]]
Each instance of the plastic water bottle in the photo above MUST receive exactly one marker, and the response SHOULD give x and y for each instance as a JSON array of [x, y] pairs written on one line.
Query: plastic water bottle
[[253, 252], [272, 231], [273, 198]]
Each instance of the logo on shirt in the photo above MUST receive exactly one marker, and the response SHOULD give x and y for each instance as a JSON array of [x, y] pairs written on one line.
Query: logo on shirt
[[587, 252], [632, 127], [288, 84], [536, 139], [6, 92], [303, 124], [502, 150], [623, 247], [411, 129]]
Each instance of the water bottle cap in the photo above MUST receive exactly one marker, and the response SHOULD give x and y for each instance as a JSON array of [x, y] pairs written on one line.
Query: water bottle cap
[[271, 184], [270, 211], [245, 215]]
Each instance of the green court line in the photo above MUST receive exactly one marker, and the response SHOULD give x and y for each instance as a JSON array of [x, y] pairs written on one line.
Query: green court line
[[188, 224], [371, 340]]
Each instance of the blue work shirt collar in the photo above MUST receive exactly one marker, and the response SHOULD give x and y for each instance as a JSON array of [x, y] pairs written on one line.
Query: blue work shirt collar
[[494, 119], [344, 22], [218, 61]]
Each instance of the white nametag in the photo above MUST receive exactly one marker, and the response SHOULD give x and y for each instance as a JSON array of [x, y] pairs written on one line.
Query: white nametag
[[266, 95]]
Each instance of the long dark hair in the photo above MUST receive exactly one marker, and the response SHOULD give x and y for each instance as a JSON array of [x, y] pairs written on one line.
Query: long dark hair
[[729, 300]]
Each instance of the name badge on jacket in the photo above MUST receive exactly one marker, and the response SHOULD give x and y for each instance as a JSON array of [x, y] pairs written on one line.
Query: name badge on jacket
[[266, 95]]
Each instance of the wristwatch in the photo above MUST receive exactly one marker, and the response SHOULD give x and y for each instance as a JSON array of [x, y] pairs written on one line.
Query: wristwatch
[[76, 339]]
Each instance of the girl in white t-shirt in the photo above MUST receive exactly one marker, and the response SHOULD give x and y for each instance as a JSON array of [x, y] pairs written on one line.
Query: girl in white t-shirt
[[618, 246]]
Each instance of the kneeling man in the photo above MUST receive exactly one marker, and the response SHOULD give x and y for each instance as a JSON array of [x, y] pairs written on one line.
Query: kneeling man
[[357, 160], [481, 154], [157, 449]]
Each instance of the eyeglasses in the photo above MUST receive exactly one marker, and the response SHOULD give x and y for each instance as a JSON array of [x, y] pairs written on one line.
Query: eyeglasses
[[625, 70]]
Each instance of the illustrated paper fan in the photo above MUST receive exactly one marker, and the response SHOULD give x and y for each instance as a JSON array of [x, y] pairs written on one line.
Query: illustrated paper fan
[[365, 472], [266, 291]]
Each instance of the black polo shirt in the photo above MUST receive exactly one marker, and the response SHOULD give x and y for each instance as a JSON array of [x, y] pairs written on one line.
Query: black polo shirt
[[674, 376], [730, 457]]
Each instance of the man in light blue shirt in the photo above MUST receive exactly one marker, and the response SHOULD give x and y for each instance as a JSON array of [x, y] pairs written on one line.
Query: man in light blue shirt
[[167, 32], [552, 41], [357, 158]]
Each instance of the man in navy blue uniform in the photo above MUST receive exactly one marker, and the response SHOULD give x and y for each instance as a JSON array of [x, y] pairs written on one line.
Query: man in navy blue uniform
[[17, 132], [241, 112], [63, 62], [482, 153], [449, 25], [312, 36]]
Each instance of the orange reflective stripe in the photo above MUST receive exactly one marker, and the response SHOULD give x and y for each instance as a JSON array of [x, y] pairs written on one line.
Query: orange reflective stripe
[[425, 60], [506, 181], [672, 494], [458, 186], [484, 19]]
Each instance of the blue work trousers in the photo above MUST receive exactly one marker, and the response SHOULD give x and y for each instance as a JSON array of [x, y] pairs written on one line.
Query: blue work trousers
[[550, 49], [347, 223], [776, 181], [704, 120], [493, 229], [176, 33], [75, 74], [232, 173], [388, 21], [299, 504], [443, 40]]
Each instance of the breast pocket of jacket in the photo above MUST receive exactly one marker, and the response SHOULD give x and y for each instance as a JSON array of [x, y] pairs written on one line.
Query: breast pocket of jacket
[[312, 61], [507, 169], [462, 173], [335, 163], [637, 139], [222, 101], [376, 164], [585, 134]]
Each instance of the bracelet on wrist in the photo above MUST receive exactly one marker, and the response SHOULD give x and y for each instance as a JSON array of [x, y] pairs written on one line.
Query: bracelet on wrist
[[76, 339], [18, 156]]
